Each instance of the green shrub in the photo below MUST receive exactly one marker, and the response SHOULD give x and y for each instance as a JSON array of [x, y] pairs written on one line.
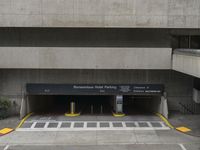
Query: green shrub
[[4, 107]]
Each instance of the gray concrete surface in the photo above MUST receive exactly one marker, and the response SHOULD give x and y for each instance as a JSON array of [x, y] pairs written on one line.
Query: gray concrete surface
[[187, 120], [94, 118], [105, 147], [96, 137], [101, 13], [10, 122], [186, 64], [2, 147], [85, 57], [115, 139]]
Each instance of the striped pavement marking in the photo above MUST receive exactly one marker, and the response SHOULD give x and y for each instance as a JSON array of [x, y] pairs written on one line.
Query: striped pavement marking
[[44, 125]]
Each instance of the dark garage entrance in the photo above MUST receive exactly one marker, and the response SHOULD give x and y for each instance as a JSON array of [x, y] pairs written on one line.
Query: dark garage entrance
[[91, 98], [60, 104]]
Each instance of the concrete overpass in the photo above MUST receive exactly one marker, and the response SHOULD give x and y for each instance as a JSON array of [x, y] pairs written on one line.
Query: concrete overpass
[[187, 61]]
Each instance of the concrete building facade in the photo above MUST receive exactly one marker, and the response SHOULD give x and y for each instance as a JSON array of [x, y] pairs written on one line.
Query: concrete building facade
[[100, 42]]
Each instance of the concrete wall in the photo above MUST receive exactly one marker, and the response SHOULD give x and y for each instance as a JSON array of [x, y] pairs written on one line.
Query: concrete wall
[[178, 86], [100, 13], [188, 64], [87, 58]]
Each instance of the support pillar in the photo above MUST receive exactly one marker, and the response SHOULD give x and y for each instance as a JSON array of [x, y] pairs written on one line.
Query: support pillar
[[163, 107]]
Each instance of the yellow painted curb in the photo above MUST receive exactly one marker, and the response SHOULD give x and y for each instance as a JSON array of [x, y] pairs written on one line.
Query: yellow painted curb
[[23, 120], [183, 129], [118, 114], [5, 131], [165, 120], [72, 115]]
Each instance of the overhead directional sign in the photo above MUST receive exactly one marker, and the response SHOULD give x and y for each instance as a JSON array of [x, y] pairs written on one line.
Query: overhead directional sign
[[94, 89]]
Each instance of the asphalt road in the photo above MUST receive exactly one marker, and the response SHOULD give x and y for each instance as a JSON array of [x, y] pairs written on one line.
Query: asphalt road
[[105, 147]]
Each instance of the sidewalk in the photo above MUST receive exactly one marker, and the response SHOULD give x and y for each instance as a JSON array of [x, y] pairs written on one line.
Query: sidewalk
[[187, 120], [10, 122]]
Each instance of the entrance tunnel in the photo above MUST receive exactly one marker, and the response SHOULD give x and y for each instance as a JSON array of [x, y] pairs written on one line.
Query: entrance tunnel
[[59, 104], [94, 99], [93, 104]]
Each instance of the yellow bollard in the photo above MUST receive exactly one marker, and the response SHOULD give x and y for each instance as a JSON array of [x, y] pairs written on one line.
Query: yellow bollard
[[72, 112]]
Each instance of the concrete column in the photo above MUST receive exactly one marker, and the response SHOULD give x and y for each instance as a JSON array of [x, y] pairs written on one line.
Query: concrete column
[[163, 107], [23, 109]]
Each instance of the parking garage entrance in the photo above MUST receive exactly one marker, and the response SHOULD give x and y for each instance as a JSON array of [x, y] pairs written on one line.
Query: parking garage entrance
[[94, 99]]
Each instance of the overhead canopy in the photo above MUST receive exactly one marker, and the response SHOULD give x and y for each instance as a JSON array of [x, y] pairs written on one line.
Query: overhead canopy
[[94, 89]]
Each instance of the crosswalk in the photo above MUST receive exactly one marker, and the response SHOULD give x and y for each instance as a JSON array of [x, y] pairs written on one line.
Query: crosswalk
[[50, 125]]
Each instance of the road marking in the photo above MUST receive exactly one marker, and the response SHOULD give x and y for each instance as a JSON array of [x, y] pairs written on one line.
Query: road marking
[[149, 124], [46, 125], [182, 146], [59, 124], [33, 125], [98, 127], [110, 125], [6, 147], [123, 124]]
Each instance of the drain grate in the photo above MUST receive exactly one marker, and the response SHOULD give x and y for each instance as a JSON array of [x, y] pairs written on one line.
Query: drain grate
[[117, 124], [78, 125], [130, 125], [143, 124], [156, 124], [52, 125], [104, 125], [38, 125], [91, 125], [65, 125], [26, 125]]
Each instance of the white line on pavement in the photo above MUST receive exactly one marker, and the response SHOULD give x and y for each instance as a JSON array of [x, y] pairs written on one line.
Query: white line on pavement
[[182, 146], [6, 147]]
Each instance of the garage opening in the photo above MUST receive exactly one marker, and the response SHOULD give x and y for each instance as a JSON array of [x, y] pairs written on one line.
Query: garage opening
[[141, 104], [60, 104], [94, 99]]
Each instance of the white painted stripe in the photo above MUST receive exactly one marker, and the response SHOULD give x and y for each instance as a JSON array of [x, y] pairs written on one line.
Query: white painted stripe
[[59, 124], [72, 125], [162, 124], [33, 125], [85, 128], [123, 125], [46, 125], [182, 146], [85, 125], [136, 124], [149, 124], [110, 124], [98, 125], [6, 147]]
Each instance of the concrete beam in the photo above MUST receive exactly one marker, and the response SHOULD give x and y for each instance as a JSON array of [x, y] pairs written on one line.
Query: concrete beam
[[100, 13], [85, 58]]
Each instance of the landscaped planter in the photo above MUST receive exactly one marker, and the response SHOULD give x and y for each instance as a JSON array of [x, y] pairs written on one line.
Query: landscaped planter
[[4, 107], [3, 113]]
